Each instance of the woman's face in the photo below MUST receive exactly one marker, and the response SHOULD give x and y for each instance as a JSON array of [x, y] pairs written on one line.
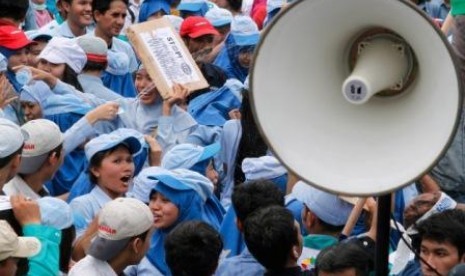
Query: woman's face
[[165, 213], [245, 58], [18, 58], [34, 51], [31, 110], [212, 174], [143, 83], [115, 172], [57, 70]]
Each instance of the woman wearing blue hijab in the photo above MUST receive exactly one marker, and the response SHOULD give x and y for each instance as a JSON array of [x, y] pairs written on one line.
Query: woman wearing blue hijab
[[236, 56], [176, 196]]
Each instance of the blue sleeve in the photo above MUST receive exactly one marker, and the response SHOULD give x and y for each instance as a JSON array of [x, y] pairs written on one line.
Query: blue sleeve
[[77, 135], [47, 261], [62, 88]]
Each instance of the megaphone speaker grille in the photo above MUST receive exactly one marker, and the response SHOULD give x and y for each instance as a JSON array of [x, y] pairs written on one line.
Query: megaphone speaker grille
[[372, 148]]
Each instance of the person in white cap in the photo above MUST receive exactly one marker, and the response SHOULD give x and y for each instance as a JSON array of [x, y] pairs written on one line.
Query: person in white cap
[[41, 157], [324, 217], [91, 76], [125, 227], [11, 146]]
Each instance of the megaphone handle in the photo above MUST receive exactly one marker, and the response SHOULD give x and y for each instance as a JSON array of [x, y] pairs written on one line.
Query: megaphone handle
[[382, 236]]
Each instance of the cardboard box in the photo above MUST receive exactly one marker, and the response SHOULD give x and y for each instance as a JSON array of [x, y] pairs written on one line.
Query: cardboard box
[[165, 56]]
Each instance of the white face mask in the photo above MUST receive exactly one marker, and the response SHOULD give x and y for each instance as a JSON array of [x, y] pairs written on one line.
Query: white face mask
[[39, 7]]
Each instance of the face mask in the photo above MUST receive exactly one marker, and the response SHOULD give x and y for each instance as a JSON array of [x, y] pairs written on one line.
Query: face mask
[[39, 7]]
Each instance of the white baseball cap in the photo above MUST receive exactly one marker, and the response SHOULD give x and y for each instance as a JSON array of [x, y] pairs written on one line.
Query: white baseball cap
[[13, 141], [64, 50], [119, 221], [43, 136], [13, 246]]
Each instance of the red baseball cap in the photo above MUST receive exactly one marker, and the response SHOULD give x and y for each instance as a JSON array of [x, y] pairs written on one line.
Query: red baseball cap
[[196, 26], [13, 38]]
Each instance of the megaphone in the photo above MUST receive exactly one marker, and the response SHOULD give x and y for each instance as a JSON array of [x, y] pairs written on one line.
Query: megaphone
[[356, 97]]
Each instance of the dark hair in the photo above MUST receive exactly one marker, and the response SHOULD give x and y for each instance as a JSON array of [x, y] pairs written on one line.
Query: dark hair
[[252, 143], [235, 5], [6, 160], [95, 66], [270, 234], [70, 77], [447, 226], [104, 5], [343, 256], [329, 227], [97, 159], [193, 248], [248, 197], [66, 245], [15, 10]]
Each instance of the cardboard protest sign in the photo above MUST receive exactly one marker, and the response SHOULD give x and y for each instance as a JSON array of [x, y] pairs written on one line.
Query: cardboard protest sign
[[165, 56]]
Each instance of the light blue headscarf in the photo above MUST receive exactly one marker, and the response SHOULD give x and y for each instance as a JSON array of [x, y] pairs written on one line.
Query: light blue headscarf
[[212, 108], [190, 192]]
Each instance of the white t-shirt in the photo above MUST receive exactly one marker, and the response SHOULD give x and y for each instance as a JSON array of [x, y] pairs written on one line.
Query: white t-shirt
[[91, 266]]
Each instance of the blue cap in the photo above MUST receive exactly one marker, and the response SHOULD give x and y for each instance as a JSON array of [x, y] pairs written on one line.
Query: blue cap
[[187, 155], [55, 212], [111, 140], [183, 179], [199, 7], [118, 63], [219, 17], [265, 167], [328, 207], [244, 31], [149, 7]]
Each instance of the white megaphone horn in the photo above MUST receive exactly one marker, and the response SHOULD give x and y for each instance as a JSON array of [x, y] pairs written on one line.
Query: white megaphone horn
[[400, 102]]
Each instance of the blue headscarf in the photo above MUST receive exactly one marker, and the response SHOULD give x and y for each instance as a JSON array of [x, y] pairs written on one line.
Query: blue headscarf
[[212, 108], [228, 59], [121, 84], [189, 204], [7, 53], [150, 7]]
